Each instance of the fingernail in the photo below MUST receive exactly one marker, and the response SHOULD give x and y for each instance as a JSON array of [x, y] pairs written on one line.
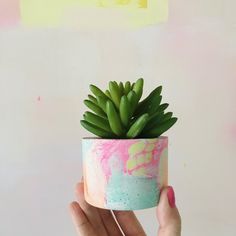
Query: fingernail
[[171, 196]]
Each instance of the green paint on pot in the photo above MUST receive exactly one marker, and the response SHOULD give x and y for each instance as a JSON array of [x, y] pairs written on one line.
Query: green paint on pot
[[136, 148], [148, 157], [131, 163], [149, 147]]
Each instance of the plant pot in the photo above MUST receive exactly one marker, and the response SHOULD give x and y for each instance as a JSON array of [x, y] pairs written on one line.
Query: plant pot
[[124, 174]]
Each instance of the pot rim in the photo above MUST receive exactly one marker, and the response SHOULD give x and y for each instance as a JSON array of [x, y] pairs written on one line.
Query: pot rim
[[125, 139]]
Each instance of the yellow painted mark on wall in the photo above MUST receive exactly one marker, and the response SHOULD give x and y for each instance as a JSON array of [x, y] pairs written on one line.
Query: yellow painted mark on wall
[[117, 3], [93, 13]]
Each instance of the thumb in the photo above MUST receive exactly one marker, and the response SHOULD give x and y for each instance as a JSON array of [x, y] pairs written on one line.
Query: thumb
[[167, 214]]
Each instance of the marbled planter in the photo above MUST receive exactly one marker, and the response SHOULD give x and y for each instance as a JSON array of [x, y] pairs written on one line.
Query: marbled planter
[[124, 174]]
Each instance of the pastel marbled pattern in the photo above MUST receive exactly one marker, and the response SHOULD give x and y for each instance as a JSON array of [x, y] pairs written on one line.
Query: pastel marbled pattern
[[124, 174]]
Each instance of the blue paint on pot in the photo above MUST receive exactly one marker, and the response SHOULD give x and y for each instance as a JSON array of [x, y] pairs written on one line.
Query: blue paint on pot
[[131, 192], [127, 192]]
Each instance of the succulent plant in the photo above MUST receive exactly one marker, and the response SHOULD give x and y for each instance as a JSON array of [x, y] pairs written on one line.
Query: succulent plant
[[119, 113]]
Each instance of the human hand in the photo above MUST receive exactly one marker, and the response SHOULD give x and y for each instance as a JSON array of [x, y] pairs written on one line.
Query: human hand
[[92, 221]]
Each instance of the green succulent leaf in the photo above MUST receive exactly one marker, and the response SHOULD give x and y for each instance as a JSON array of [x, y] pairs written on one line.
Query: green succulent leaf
[[97, 120], [97, 91], [125, 109], [116, 84], [107, 92], [160, 129], [102, 102], [133, 100], [144, 102], [115, 93], [162, 107], [159, 111], [122, 89], [138, 88], [138, 126], [127, 87], [151, 103], [157, 119], [154, 120], [94, 107], [132, 85], [166, 116], [157, 90], [96, 130], [154, 104], [93, 99], [114, 119]]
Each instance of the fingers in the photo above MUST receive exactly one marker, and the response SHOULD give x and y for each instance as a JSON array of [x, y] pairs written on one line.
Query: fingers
[[109, 222], [167, 214], [129, 223], [90, 211], [82, 225]]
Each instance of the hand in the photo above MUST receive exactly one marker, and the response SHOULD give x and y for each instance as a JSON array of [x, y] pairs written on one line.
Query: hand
[[92, 221]]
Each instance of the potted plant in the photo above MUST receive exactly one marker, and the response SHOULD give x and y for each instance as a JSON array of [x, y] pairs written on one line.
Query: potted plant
[[125, 166]]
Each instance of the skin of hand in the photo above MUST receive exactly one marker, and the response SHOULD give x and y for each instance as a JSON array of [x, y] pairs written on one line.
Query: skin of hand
[[92, 221]]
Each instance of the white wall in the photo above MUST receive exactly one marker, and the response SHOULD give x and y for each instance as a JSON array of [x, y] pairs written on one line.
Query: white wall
[[193, 56]]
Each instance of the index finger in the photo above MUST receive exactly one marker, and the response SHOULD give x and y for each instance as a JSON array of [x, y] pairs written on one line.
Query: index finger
[[129, 223], [81, 222]]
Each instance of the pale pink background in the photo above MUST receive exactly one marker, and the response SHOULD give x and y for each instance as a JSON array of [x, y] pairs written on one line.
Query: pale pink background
[[193, 56], [9, 13]]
